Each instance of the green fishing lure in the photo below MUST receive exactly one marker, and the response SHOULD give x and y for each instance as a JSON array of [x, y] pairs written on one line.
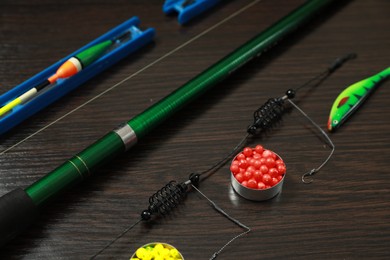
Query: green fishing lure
[[352, 98]]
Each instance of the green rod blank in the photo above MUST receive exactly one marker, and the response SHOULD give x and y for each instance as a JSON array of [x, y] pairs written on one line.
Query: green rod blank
[[76, 169]]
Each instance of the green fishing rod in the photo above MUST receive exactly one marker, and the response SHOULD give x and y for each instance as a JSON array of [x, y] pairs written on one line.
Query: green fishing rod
[[19, 208]]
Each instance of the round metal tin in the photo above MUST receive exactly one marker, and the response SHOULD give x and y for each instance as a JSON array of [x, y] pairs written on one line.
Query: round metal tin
[[256, 194]]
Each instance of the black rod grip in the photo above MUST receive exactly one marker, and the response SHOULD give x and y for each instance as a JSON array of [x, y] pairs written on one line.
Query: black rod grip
[[17, 212]]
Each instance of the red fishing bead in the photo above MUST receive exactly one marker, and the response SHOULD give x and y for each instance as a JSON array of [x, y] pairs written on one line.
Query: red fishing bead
[[248, 175], [267, 179], [252, 183], [281, 169], [273, 172], [239, 177], [270, 162], [243, 164], [274, 181], [263, 160], [259, 149], [234, 168], [247, 151], [240, 156], [252, 161], [251, 168], [258, 176], [257, 164], [279, 162], [261, 185], [257, 156], [263, 169], [267, 153]]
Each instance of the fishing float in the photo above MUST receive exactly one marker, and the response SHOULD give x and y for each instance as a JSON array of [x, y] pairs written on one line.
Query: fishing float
[[68, 69], [20, 207]]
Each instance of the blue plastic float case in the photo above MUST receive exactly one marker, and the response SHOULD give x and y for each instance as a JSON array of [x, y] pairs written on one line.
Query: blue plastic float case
[[137, 39]]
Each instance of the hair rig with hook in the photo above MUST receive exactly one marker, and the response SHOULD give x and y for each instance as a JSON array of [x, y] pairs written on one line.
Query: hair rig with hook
[[271, 112]]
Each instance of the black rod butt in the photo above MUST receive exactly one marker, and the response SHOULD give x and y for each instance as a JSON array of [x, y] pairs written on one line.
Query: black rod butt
[[17, 212]]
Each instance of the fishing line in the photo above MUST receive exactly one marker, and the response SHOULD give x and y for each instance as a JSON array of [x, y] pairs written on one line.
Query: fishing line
[[314, 170], [115, 239], [172, 194], [136, 73], [222, 162], [226, 215], [333, 67]]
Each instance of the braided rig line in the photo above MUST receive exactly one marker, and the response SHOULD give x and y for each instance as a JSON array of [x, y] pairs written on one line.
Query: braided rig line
[[173, 193]]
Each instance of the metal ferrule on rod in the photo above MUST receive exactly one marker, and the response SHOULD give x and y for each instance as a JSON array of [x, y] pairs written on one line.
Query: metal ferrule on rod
[[127, 134]]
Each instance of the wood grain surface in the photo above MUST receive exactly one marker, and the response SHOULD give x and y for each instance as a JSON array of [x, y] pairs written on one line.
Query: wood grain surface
[[343, 214]]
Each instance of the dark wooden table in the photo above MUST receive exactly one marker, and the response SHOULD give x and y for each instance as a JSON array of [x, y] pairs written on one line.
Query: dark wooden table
[[343, 214]]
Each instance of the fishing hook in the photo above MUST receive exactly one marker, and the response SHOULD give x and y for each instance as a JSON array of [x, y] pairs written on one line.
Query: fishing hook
[[333, 147]]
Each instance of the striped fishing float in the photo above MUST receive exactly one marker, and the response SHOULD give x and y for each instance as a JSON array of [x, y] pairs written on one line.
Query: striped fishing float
[[68, 69]]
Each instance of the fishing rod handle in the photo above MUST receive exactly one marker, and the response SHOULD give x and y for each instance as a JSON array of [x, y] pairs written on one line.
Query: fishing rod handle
[[17, 211]]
